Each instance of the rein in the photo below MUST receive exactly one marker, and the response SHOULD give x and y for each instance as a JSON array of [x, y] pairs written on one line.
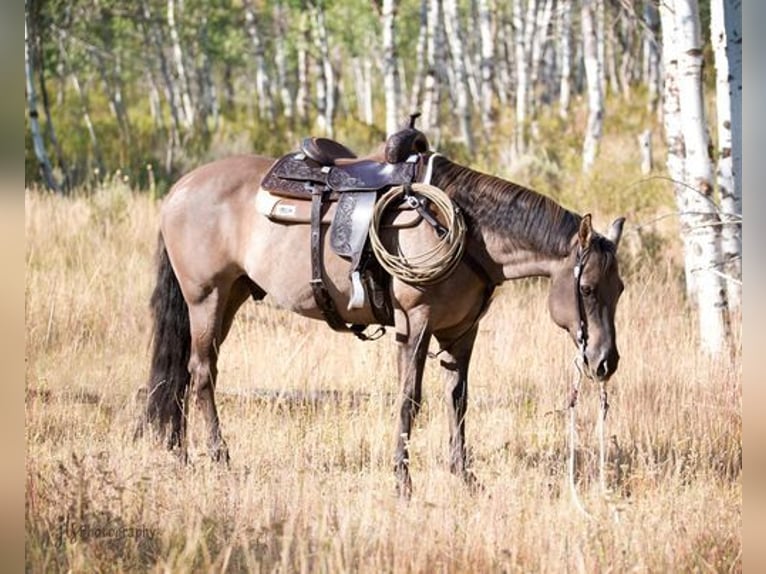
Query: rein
[[579, 363]]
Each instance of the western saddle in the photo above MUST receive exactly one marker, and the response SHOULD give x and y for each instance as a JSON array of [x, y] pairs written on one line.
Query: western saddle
[[324, 172]]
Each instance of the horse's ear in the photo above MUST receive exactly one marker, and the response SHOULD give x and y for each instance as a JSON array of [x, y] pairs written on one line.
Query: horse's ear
[[615, 231], [586, 232]]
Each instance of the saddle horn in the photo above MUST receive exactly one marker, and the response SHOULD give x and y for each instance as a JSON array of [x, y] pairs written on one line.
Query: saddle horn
[[406, 142]]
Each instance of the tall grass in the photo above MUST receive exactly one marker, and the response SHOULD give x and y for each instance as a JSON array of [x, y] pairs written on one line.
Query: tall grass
[[311, 485]]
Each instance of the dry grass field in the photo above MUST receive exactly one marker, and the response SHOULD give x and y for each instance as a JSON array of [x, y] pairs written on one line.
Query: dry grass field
[[311, 484]]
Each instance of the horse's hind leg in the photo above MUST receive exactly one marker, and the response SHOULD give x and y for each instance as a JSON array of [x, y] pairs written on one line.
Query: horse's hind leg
[[454, 362], [210, 320], [206, 322]]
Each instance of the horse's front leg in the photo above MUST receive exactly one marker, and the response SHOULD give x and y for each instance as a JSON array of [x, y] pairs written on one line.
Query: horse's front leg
[[412, 352], [454, 362]]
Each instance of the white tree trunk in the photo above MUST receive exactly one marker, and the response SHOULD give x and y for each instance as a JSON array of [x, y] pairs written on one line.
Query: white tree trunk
[[153, 36], [731, 203], [674, 137], [645, 146], [325, 80], [183, 94], [600, 21], [34, 124], [329, 71], [564, 36], [522, 78], [540, 38], [435, 74], [420, 58], [505, 61], [455, 36], [595, 94], [280, 60], [262, 82], [704, 221], [362, 68], [391, 87], [487, 65], [651, 38], [302, 94]]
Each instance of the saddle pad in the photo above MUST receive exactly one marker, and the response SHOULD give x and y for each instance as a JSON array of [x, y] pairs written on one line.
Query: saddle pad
[[288, 210]]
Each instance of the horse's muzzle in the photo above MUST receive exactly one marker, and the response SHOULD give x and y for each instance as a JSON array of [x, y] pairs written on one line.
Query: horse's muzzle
[[606, 365]]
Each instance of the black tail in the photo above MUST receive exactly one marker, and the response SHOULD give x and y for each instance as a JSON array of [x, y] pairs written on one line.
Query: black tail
[[169, 378]]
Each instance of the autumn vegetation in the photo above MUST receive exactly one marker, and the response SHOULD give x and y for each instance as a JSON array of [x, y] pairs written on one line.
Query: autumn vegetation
[[308, 414], [309, 417]]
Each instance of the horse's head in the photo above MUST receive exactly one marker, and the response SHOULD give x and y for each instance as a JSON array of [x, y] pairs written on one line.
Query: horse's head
[[584, 294]]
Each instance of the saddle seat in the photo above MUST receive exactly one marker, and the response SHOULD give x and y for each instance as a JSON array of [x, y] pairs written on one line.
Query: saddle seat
[[325, 151]]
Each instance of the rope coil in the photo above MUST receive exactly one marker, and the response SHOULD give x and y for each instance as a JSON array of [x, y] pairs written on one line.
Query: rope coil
[[434, 264]]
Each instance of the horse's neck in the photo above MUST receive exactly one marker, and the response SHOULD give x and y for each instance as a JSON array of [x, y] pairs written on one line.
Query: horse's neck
[[515, 261]]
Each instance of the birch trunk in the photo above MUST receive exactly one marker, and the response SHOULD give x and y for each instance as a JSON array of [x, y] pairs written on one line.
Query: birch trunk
[[704, 222], [280, 60], [538, 41], [50, 131], [612, 77], [726, 41], [115, 97], [674, 138], [420, 58], [600, 22], [302, 94], [154, 38], [325, 75], [84, 105], [362, 68], [565, 56], [456, 39], [34, 124], [434, 76], [506, 59], [487, 65], [522, 79], [262, 82], [595, 94], [652, 56], [390, 67], [183, 93], [208, 88], [155, 102]]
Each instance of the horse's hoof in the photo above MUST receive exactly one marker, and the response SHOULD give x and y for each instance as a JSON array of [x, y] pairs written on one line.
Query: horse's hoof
[[474, 485], [220, 454], [404, 485]]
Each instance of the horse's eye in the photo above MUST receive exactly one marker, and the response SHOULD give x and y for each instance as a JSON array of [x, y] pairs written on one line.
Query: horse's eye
[[586, 290]]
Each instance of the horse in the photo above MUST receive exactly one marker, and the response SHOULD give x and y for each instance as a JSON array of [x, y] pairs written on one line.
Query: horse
[[216, 250]]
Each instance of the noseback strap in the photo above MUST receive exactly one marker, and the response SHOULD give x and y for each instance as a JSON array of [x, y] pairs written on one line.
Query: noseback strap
[[582, 325]]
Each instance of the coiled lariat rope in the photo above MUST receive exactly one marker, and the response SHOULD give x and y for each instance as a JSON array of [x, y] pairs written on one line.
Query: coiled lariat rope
[[604, 406], [436, 263]]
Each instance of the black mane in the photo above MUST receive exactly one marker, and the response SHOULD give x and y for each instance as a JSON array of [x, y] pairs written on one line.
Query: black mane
[[527, 218]]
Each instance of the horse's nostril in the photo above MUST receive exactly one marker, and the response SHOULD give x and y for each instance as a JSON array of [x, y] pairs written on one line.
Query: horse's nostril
[[603, 368]]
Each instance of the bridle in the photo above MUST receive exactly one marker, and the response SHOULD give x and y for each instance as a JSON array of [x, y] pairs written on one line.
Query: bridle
[[582, 324], [582, 343]]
